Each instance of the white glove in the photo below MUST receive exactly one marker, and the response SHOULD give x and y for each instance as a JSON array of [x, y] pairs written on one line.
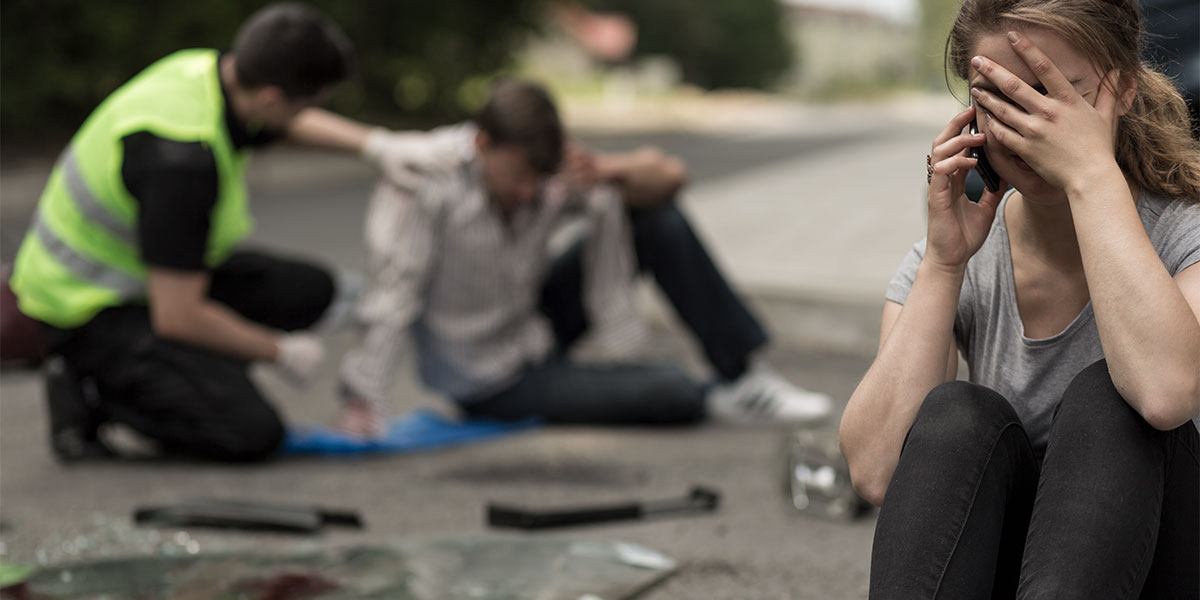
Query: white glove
[[299, 356]]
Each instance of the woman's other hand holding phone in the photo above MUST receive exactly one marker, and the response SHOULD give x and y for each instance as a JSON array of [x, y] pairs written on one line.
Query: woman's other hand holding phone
[[957, 227]]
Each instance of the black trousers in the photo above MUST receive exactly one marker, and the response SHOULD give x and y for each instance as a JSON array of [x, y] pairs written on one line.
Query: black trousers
[[192, 401], [1113, 510], [558, 391]]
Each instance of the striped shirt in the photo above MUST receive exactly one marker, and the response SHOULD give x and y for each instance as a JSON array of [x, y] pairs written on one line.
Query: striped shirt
[[447, 268]]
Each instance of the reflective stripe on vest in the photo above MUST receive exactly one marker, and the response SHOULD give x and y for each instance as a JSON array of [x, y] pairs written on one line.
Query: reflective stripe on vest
[[86, 202], [83, 267]]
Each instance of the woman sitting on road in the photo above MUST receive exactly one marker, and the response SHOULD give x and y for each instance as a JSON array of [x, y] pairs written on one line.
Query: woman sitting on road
[[1067, 466]]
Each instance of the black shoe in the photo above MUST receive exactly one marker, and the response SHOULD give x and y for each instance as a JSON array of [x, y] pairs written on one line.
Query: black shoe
[[75, 414], [75, 445]]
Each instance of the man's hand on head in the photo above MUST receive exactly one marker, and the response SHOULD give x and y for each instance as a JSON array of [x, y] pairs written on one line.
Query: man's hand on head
[[647, 175], [580, 167]]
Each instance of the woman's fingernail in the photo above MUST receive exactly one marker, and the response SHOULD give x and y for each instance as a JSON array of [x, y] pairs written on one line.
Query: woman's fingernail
[[1013, 37], [976, 62], [975, 92]]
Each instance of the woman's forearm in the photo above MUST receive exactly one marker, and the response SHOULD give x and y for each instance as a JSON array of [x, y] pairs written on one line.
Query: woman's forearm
[[913, 359], [1150, 335]]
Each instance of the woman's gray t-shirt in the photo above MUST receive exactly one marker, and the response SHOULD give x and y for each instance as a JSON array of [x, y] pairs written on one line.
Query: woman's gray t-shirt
[[1033, 374]]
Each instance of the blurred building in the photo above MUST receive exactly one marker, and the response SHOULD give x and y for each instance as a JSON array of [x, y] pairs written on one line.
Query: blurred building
[[848, 51], [839, 52], [582, 49]]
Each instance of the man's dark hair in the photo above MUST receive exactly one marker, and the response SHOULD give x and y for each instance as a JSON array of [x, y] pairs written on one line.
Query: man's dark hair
[[293, 47], [520, 113]]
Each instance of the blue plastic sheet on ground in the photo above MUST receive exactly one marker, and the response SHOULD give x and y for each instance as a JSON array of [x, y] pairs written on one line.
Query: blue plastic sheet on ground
[[418, 430]]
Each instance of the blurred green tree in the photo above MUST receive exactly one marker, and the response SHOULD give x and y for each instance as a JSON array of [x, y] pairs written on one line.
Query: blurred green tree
[[718, 43], [936, 18], [417, 61]]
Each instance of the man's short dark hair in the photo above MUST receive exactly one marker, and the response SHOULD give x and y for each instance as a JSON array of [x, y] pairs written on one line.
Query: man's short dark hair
[[520, 113], [293, 47]]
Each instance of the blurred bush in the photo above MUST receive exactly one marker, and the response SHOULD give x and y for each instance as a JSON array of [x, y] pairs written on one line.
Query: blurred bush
[[718, 43], [418, 61], [937, 16]]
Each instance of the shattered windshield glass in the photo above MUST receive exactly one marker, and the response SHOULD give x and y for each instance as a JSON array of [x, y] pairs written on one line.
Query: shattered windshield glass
[[484, 568]]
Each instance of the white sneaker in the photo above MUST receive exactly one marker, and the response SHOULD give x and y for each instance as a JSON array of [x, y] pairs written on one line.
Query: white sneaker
[[761, 396]]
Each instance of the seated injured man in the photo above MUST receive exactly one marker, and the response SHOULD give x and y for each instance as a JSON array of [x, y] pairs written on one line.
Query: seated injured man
[[459, 260]]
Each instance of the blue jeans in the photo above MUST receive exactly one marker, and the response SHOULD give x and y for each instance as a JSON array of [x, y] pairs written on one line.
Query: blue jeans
[[1112, 511], [560, 392]]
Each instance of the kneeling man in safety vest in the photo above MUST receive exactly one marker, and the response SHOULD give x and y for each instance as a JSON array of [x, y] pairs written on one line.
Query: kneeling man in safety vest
[[131, 259]]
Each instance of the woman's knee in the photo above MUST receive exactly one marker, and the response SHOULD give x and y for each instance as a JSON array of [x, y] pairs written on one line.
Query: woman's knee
[[1092, 407], [1093, 382], [1093, 397], [958, 414]]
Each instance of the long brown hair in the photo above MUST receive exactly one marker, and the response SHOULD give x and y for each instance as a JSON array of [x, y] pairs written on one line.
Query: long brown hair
[[1154, 142]]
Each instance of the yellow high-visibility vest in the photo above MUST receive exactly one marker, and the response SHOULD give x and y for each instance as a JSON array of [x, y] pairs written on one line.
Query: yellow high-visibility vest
[[81, 253]]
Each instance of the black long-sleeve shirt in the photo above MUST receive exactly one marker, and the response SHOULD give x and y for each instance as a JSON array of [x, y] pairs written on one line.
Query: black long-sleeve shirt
[[176, 186]]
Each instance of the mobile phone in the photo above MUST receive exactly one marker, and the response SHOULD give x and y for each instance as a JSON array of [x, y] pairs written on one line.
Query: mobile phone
[[989, 176]]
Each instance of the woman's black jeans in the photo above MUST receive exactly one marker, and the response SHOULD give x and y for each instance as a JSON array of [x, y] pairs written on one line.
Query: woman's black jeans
[[1113, 510]]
